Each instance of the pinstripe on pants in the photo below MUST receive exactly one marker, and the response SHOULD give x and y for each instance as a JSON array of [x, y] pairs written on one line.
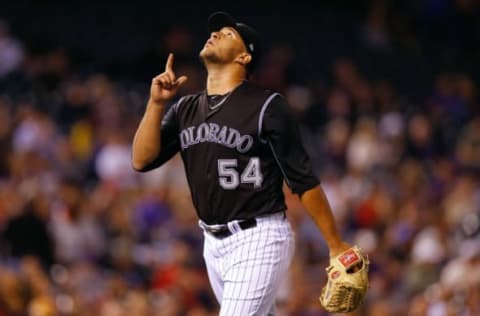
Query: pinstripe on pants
[[246, 268]]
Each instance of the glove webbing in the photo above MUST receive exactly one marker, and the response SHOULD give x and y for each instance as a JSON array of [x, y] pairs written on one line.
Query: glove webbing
[[345, 299]]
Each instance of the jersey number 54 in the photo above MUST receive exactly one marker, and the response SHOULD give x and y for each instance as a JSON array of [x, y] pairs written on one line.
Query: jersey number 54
[[229, 178]]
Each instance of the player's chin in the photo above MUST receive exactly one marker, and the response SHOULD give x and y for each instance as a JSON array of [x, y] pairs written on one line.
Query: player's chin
[[207, 54]]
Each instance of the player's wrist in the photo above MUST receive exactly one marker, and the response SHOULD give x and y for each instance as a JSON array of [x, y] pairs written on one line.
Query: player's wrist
[[337, 247], [157, 103]]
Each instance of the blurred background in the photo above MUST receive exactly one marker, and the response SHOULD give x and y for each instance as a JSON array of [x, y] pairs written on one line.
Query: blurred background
[[385, 92]]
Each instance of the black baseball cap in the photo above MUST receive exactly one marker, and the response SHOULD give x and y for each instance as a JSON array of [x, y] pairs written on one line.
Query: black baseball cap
[[249, 35]]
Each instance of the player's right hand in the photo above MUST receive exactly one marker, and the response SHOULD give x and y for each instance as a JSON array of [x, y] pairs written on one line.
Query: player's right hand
[[165, 86]]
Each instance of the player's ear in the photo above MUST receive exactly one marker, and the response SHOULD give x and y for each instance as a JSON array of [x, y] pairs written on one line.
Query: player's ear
[[244, 59]]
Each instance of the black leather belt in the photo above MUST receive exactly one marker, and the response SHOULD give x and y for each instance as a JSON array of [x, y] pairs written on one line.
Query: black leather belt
[[223, 231]]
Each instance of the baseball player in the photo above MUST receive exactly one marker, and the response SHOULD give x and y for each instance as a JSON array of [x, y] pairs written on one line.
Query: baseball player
[[238, 143]]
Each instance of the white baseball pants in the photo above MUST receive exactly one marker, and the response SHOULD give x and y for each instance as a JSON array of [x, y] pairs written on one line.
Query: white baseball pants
[[246, 268]]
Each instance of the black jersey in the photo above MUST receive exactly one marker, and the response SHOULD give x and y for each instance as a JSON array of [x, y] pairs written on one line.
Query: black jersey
[[237, 153]]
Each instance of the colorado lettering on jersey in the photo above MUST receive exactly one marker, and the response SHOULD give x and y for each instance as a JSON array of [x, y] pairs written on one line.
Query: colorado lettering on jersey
[[213, 133]]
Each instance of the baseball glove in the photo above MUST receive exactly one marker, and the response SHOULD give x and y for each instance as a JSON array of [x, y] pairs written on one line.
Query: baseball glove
[[347, 281]]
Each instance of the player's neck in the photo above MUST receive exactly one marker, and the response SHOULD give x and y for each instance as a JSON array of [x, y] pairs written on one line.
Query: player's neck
[[222, 81]]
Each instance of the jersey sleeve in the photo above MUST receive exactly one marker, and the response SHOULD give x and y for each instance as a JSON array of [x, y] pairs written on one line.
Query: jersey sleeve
[[170, 144], [280, 131]]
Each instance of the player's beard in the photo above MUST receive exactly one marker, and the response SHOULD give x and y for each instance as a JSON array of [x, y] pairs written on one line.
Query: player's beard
[[209, 56], [212, 57]]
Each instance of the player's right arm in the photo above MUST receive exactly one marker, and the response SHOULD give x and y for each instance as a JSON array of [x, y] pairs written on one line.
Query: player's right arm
[[148, 141]]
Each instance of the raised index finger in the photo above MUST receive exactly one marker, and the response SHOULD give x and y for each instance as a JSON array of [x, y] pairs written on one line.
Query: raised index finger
[[169, 65]]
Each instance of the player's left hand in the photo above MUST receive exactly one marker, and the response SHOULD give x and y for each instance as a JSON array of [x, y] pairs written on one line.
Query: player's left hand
[[347, 281]]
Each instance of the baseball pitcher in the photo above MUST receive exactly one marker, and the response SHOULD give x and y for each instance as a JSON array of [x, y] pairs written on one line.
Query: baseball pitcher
[[238, 143]]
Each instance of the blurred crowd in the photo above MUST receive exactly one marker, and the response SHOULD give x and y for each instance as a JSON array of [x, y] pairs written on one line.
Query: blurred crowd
[[82, 234]]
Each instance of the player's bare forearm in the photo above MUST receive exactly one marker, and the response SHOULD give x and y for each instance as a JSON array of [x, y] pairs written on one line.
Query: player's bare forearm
[[319, 209], [146, 143]]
